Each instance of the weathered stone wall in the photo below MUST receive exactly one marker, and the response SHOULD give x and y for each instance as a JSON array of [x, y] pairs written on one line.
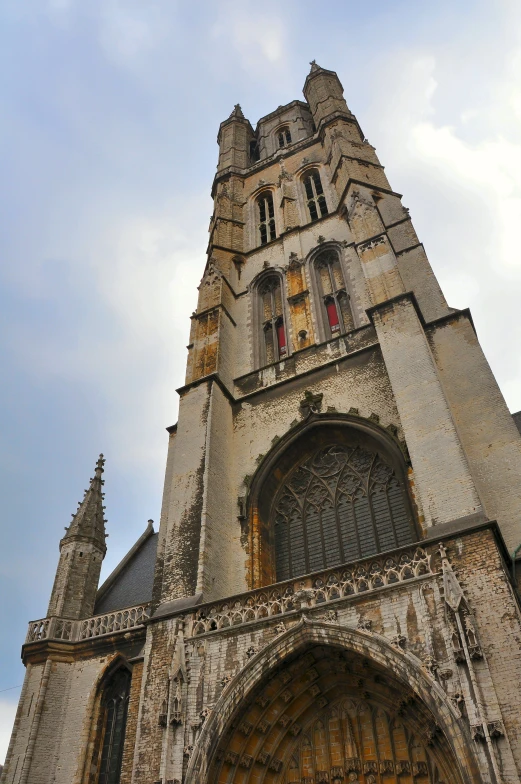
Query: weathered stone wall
[[486, 429], [410, 616]]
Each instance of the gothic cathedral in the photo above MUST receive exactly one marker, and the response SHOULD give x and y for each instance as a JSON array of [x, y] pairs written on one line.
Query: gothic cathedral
[[332, 594]]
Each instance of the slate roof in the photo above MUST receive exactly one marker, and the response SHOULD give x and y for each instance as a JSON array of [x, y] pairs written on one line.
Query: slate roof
[[131, 581]]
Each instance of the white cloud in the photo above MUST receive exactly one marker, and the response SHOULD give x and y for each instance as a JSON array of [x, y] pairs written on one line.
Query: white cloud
[[129, 31], [258, 35], [457, 159], [7, 714]]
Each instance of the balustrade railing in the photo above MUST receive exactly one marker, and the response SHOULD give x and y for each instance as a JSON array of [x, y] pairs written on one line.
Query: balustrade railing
[[335, 583], [306, 592], [99, 625]]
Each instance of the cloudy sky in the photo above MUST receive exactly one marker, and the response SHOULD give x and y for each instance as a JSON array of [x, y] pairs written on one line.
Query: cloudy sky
[[110, 110]]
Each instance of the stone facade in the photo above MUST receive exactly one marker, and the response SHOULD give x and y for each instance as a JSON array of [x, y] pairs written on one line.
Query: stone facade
[[333, 599]]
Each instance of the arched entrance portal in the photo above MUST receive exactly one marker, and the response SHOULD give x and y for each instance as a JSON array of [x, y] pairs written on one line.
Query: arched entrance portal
[[331, 716]]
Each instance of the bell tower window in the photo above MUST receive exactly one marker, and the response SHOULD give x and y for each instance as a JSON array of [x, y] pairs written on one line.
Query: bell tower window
[[284, 137], [333, 293], [266, 218], [273, 329], [316, 200]]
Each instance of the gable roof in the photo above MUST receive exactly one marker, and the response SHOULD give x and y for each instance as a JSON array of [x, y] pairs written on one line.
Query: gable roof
[[131, 581]]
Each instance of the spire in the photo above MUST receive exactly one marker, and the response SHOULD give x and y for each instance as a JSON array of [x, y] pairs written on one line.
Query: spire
[[314, 67], [88, 523], [237, 111]]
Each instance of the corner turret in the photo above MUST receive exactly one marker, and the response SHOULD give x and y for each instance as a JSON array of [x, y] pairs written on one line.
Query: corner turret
[[235, 139], [82, 550], [324, 93]]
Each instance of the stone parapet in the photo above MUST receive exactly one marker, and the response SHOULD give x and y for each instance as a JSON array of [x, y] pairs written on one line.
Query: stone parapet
[[75, 631]]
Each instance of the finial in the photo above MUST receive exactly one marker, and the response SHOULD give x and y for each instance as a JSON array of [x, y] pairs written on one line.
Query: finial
[[99, 466], [237, 111], [314, 66]]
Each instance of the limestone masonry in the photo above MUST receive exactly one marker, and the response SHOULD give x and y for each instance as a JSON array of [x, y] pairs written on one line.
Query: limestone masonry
[[331, 597]]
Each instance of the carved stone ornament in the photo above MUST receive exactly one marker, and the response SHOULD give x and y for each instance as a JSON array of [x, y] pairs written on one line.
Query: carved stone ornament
[[263, 726], [331, 616], [451, 587], [304, 595], [431, 665], [311, 403], [478, 732], [245, 727], [263, 757], [364, 624], [246, 761], [495, 729], [371, 244], [225, 681], [251, 652], [399, 641], [187, 751]]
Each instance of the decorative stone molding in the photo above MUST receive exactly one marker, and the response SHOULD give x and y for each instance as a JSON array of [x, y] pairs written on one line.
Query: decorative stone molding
[[264, 604], [99, 625], [371, 244]]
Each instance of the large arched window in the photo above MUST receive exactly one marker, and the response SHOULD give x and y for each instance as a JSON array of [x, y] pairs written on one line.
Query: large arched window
[[114, 708], [274, 343], [266, 218], [316, 201], [341, 503], [336, 310]]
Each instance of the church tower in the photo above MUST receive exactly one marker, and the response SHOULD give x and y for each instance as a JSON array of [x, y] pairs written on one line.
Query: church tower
[[331, 597]]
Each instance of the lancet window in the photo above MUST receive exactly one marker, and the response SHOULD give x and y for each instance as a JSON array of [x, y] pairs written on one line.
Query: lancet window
[[114, 706], [316, 201], [337, 316], [284, 137], [266, 218], [340, 504], [272, 327]]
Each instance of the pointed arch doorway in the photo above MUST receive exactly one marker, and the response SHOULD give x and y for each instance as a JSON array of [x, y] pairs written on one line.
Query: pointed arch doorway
[[328, 715]]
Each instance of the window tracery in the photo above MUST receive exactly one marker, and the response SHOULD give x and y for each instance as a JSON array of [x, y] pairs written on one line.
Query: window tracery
[[266, 218], [316, 200], [333, 294], [341, 504], [274, 338], [114, 705]]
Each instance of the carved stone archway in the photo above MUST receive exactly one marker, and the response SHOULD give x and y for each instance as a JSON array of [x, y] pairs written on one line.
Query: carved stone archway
[[328, 705]]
